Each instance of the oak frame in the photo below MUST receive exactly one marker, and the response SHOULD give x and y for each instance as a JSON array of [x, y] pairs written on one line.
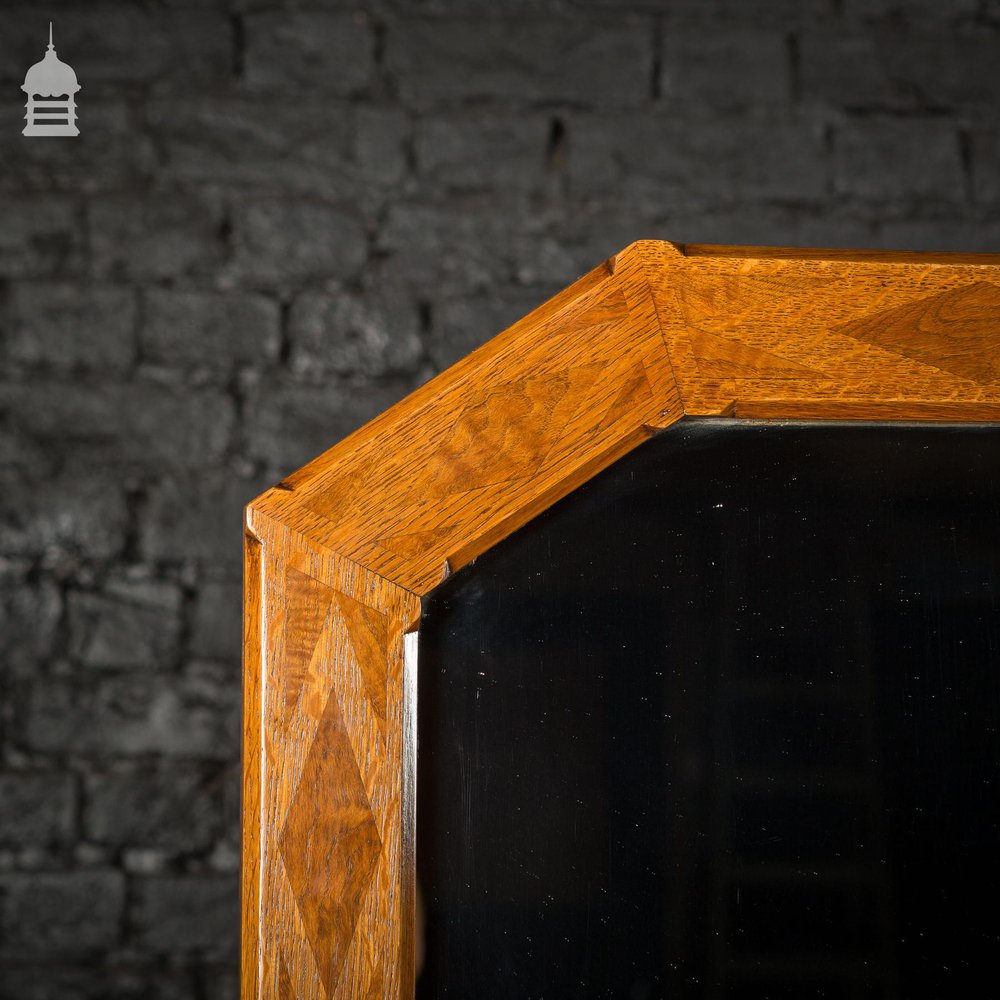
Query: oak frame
[[340, 553]]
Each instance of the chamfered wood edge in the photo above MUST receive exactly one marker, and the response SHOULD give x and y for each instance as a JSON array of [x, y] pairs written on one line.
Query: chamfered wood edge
[[838, 254], [623, 275], [847, 409], [632, 269], [250, 762], [427, 392]]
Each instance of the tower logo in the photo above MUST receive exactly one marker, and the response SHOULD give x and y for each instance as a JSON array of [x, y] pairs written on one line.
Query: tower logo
[[51, 88]]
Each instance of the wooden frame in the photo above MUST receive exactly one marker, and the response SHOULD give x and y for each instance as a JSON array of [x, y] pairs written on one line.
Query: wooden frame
[[339, 554]]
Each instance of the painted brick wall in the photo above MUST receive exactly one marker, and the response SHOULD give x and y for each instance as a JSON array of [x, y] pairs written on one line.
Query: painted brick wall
[[279, 219]]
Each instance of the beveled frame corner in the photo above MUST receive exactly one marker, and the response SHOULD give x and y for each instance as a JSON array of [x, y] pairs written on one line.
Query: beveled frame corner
[[340, 553]]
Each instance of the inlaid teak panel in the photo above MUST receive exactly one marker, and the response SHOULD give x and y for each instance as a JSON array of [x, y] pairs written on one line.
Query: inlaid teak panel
[[339, 554]]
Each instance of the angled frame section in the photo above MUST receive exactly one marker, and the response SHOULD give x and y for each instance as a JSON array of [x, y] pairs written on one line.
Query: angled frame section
[[340, 553]]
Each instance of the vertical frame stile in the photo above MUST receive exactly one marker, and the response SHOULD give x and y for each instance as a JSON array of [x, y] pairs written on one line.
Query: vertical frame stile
[[253, 623], [327, 884]]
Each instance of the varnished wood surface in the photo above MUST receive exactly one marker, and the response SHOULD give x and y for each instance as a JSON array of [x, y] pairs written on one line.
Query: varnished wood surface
[[339, 553], [323, 897], [891, 330], [493, 440]]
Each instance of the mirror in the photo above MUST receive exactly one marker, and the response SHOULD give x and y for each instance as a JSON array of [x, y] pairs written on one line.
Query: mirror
[[724, 722]]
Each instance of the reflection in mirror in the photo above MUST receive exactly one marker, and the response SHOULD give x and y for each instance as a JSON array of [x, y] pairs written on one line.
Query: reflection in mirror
[[723, 724]]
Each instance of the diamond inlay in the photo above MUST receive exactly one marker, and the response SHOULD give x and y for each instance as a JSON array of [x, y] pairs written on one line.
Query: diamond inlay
[[285, 989], [414, 542], [330, 844], [368, 631], [635, 393], [719, 357], [308, 603], [954, 331]]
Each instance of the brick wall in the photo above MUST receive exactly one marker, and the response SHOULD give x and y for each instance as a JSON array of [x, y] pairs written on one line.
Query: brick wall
[[277, 221]]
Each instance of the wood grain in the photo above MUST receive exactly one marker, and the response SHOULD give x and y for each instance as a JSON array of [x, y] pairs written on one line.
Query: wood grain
[[340, 553], [323, 897], [801, 327]]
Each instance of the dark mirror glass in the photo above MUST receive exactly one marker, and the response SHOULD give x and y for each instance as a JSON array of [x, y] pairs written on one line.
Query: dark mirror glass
[[725, 722]]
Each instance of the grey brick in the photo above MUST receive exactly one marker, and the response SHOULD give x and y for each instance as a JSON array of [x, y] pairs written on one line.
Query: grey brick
[[781, 13], [129, 623], [770, 225], [585, 234], [114, 153], [217, 630], [316, 148], [222, 982], [201, 329], [725, 68], [288, 423], [898, 159], [888, 68], [349, 334], [194, 715], [477, 150], [664, 160], [111, 45], [69, 327], [40, 237], [460, 325], [30, 613], [947, 234], [226, 856], [14, 572], [36, 808], [185, 913], [79, 511], [146, 860], [526, 60], [85, 980], [309, 51], [449, 246], [504, 8], [242, 140], [176, 808], [134, 424], [985, 146], [68, 912], [382, 136], [909, 10], [18, 451], [199, 518], [156, 236], [280, 243], [467, 244], [740, 223], [227, 853]]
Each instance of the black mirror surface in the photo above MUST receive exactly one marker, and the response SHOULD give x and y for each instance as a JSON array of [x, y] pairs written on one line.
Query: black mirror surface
[[725, 722]]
